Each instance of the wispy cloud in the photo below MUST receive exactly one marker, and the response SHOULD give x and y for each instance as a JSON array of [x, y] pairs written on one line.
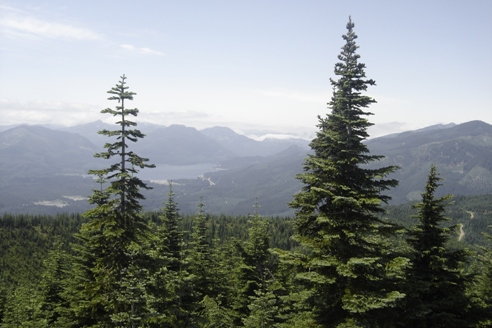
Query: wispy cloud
[[127, 47], [144, 51], [16, 23]]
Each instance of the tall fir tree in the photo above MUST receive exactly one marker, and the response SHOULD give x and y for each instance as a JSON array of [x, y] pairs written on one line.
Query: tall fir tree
[[104, 292], [351, 273], [437, 284]]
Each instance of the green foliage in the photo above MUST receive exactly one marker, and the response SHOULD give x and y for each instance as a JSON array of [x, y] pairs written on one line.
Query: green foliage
[[288, 307], [21, 307], [214, 314], [25, 241], [172, 287], [470, 214], [173, 237], [200, 257], [53, 303], [349, 270], [253, 269], [263, 310], [482, 293], [437, 285]]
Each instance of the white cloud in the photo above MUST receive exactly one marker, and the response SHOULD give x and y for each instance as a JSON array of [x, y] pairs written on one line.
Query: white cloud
[[148, 51], [16, 24], [127, 47], [144, 51], [47, 112]]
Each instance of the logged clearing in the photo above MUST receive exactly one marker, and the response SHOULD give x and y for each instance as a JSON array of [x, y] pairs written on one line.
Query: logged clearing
[[462, 232]]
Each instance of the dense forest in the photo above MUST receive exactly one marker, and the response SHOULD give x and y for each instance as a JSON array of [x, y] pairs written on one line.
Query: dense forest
[[344, 260], [28, 241]]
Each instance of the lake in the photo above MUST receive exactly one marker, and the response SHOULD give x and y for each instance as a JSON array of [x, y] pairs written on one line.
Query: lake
[[173, 172]]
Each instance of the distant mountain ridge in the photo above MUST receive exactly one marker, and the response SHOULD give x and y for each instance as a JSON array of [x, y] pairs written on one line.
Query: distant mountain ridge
[[39, 150], [462, 153], [243, 146], [181, 145], [41, 166]]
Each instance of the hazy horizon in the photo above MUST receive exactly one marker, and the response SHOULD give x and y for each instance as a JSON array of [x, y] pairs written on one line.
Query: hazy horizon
[[249, 66], [255, 134]]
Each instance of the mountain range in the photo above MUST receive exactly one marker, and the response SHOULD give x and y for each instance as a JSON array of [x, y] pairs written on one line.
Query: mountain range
[[44, 169]]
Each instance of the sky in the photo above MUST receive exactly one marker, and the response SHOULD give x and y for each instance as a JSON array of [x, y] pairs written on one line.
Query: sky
[[253, 66]]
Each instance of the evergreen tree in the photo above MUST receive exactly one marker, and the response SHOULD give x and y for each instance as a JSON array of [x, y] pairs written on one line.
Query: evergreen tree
[[218, 307], [437, 290], [174, 242], [256, 253], [21, 307], [294, 311], [263, 310], [172, 285], [200, 262], [110, 241], [53, 303], [351, 272], [483, 289], [215, 315], [254, 273]]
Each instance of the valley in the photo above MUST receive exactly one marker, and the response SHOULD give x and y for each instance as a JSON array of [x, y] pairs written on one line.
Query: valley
[[43, 169]]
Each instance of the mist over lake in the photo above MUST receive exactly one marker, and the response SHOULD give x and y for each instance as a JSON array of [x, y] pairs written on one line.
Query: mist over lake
[[173, 172]]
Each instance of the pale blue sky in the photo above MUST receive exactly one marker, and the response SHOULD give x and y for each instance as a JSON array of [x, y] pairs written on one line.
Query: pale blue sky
[[249, 65]]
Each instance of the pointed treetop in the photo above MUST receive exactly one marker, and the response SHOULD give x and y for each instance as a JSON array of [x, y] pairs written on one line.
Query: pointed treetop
[[350, 24], [257, 207], [120, 91], [200, 206]]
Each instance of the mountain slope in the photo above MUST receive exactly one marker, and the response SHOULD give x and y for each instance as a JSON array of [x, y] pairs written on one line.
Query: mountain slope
[[90, 130], [180, 145], [41, 167], [243, 146], [462, 153], [35, 150], [234, 191]]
